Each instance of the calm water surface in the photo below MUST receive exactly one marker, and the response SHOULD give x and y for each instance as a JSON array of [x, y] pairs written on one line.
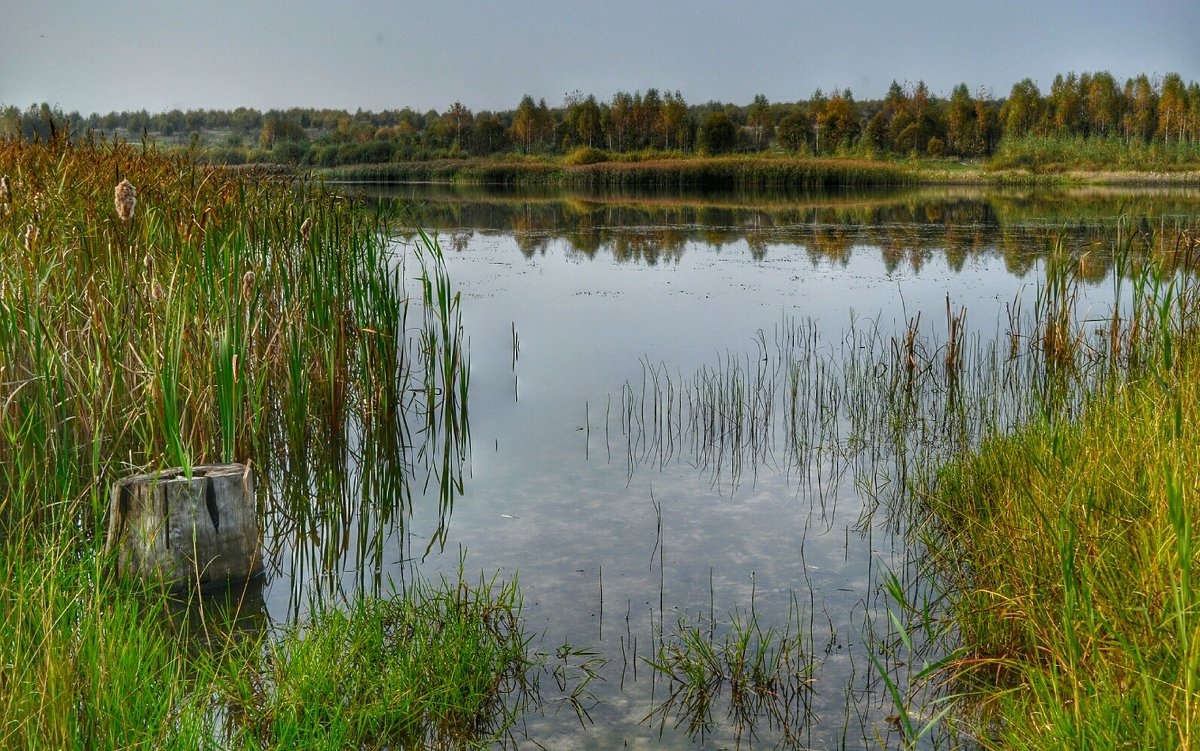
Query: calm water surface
[[616, 535]]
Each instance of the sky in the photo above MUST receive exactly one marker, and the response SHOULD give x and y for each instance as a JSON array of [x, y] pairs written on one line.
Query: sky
[[92, 56]]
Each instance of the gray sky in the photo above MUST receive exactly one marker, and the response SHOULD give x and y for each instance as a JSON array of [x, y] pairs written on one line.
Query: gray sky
[[102, 55]]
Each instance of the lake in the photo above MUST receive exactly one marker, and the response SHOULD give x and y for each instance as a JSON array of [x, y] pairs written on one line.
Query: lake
[[667, 427]]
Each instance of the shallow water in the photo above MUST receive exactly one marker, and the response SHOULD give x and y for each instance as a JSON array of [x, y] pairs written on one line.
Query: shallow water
[[616, 532]]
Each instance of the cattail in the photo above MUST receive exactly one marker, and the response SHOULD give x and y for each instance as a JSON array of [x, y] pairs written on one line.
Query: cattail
[[305, 228], [5, 190], [125, 198], [31, 236], [247, 287]]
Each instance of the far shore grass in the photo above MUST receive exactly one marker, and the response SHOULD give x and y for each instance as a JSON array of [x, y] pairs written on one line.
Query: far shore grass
[[656, 170]]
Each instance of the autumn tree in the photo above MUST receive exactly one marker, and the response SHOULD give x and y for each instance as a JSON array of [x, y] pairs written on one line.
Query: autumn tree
[[914, 126], [1172, 108], [674, 122], [987, 124], [876, 132], [838, 122], [1066, 104], [533, 125], [1140, 118], [1022, 111], [894, 118], [581, 120], [1102, 102]]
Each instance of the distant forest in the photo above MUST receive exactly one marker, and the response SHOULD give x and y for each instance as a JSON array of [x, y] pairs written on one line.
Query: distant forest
[[909, 122]]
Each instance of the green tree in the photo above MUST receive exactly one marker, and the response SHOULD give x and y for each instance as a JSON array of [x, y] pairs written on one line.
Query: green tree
[[718, 134], [647, 110], [816, 112], [1193, 114], [620, 120], [762, 126], [524, 124], [962, 134], [489, 134], [459, 121], [876, 132], [674, 122], [794, 130]]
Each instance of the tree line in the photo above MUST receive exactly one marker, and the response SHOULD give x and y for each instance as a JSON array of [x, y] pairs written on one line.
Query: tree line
[[909, 121]]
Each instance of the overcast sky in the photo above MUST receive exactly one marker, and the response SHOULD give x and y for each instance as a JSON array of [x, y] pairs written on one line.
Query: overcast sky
[[102, 55]]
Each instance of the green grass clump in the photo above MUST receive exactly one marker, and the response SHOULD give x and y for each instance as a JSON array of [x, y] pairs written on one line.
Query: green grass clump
[[762, 676], [437, 667], [586, 155], [85, 664], [1069, 548]]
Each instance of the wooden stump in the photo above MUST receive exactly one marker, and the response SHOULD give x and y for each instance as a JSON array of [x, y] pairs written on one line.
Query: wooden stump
[[203, 531]]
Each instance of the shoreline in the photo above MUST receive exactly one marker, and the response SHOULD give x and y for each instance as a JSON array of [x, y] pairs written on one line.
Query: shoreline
[[743, 172]]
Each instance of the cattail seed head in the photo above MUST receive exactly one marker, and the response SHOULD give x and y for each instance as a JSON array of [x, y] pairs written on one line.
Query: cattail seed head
[[125, 198], [247, 287]]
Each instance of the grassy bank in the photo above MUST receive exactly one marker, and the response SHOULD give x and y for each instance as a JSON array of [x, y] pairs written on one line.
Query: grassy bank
[[1031, 162], [1067, 550], [690, 172]]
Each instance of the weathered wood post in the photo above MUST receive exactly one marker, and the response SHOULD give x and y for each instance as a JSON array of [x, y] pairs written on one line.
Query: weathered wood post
[[201, 531]]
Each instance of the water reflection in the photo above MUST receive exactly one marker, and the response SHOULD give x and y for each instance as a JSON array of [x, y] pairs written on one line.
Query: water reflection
[[746, 507], [906, 226]]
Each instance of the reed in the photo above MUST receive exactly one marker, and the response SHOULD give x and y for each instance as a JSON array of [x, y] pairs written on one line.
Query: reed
[[1064, 547], [701, 172], [232, 316]]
